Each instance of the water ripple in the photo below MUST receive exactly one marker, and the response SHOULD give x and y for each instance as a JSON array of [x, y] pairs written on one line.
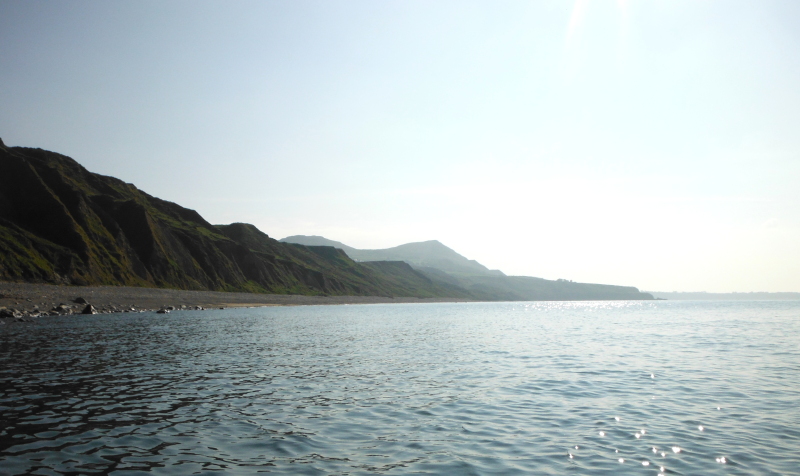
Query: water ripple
[[502, 388]]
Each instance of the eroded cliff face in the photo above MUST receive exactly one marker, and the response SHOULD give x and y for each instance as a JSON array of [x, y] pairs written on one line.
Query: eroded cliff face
[[60, 223]]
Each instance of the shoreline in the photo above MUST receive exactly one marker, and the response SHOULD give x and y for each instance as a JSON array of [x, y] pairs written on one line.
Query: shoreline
[[22, 301]]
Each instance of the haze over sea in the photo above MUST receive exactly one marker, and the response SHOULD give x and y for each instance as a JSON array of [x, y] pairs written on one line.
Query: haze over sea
[[477, 388]]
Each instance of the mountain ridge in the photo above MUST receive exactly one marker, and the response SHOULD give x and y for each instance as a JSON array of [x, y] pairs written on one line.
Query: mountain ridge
[[430, 253], [445, 266], [62, 224]]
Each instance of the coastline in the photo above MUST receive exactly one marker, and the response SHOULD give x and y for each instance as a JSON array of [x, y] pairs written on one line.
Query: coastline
[[29, 300]]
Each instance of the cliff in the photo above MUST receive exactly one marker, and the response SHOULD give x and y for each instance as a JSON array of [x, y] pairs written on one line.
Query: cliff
[[60, 223], [425, 254], [446, 267]]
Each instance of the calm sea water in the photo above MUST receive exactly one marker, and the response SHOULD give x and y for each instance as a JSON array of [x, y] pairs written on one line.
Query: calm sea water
[[478, 388]]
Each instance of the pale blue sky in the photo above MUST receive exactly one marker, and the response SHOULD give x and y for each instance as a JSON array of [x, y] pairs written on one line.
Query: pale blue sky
[[646, 143]]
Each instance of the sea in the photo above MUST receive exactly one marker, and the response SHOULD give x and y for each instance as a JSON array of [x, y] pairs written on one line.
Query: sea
[[545, 388]]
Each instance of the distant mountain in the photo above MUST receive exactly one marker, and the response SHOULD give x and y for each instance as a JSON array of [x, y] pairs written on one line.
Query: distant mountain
[[60, 223], [425, 254], [526, 288], [314, 240], [448, 268]]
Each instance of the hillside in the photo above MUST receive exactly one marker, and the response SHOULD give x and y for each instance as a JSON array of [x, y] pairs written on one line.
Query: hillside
[[314, 240], [62, 224], [446, 267], [425, 254]]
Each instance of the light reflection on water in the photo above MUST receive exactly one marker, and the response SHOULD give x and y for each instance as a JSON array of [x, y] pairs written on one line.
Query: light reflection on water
[[483, 388]]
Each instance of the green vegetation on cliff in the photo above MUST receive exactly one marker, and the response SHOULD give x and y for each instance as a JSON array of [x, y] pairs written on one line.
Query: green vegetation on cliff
[[60, 223]]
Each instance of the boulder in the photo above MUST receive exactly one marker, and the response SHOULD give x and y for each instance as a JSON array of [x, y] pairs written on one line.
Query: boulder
[[89, 309], [80, 300]]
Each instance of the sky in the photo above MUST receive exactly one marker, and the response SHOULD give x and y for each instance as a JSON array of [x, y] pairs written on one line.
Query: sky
[[654, 143]]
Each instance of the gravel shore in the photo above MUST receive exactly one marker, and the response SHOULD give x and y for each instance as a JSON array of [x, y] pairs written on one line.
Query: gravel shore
[[24, 301]]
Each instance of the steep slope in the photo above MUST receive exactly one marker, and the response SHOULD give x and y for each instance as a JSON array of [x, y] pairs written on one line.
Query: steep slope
[[314, 240], [425, 254], [60, 223], [383, 278], [446, 268]]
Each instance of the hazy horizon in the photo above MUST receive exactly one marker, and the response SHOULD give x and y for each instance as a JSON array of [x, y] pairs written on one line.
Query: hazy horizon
[[650, 144]]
